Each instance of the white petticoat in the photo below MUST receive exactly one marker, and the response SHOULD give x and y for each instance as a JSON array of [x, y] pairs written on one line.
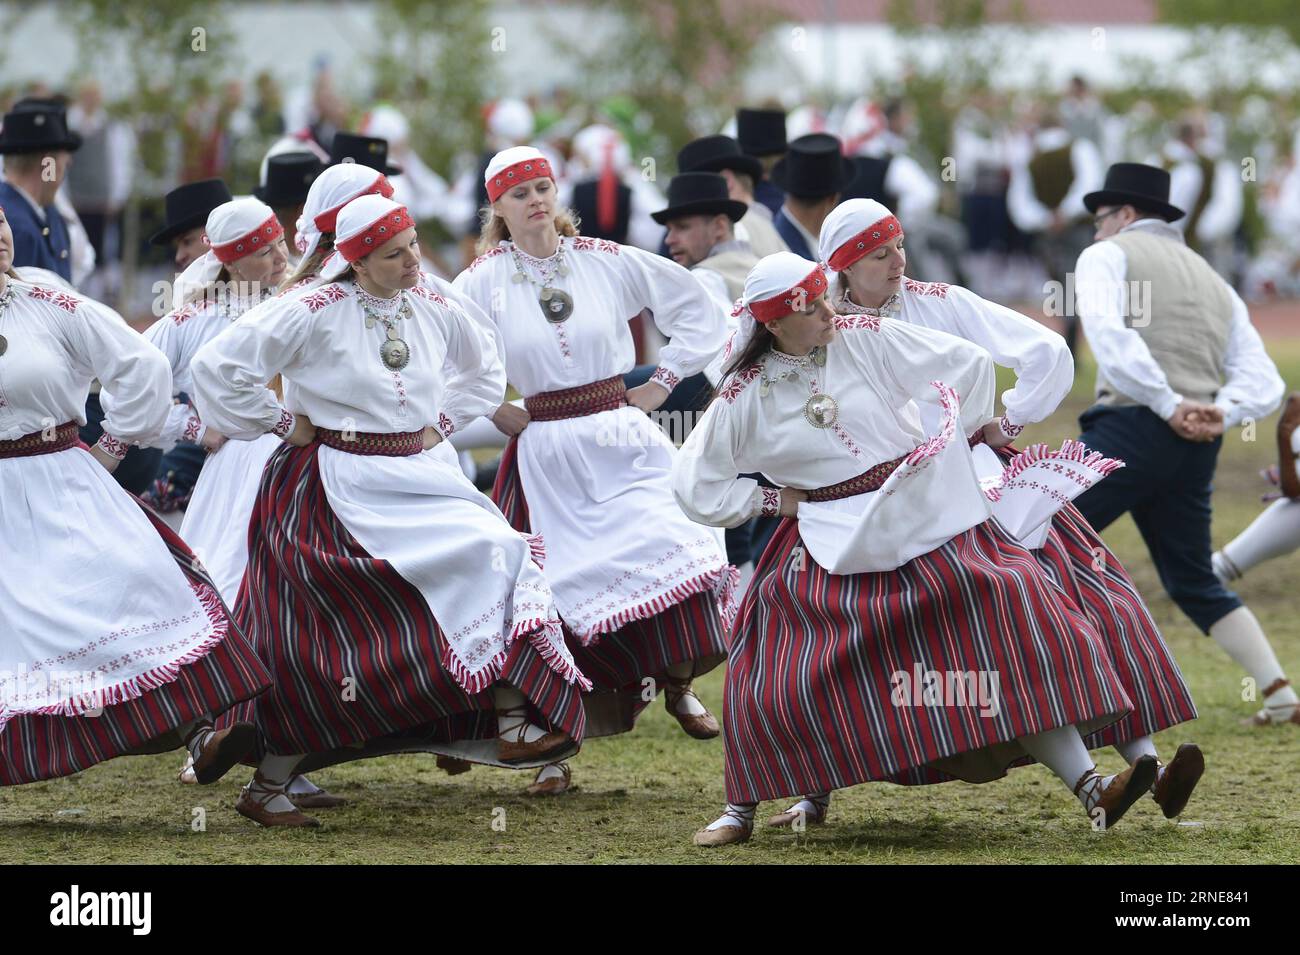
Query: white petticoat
[[93, 607], [449, 541], [216, 520], [618, 547]]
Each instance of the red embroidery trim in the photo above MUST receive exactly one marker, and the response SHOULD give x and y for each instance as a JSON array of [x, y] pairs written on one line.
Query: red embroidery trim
[[784, 303], [376, 234], [445, 426], [593, 398], [865, 242], [192, 426], [65, 436], [513, 175], [738, 382], [399, 444], [112, 445], [871, 322], [770, 505], [284, 425], [327, 220], [63, 300], [326, 295], [490, 253], [663, 376], [937, 289], [428, 294], [583, 243], [247, 244]]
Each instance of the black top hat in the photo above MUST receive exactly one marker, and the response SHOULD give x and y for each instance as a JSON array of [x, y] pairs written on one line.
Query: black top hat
[[1138, 185], [288, 178], [188, 207], [761, 132], [36, 128], [813, 167], [367, 150], [715, 153], [699, 194]]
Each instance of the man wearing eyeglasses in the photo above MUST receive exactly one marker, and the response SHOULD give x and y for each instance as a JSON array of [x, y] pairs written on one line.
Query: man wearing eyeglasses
[[1178, 363]]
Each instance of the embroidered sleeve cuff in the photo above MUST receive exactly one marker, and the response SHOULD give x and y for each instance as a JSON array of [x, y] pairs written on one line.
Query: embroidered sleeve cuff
[[768, 503], [111, 445], [445, 427], [668, 379], [284, 425], [1008, 429], [194, 429]]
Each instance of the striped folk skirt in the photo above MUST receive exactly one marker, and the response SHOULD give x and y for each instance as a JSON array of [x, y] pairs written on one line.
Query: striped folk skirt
[[918, 675], [353, 648], [1081, 564], [35, 747], [627, 666]]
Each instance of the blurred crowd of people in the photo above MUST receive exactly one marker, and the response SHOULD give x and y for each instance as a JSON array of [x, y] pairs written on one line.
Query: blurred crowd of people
[[1001, 212]]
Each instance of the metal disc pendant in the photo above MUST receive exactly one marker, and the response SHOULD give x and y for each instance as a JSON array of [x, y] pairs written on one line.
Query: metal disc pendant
[[518, 278], [395, 354], [562, 271], [556, 304], [821, 411], [4, 344], [819, 356]]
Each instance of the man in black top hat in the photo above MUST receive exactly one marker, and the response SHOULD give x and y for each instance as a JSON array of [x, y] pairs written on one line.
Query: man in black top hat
[[186, 217], [285, 185], [722, 155], [813, 173], [367, 150], [761, 134], [38, 149], [1178, 363]]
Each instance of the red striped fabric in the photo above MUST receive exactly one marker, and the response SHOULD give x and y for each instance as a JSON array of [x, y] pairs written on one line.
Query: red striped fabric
[[353, 648], [1081, 564], [44, 747], [811, 700], [619, 662]]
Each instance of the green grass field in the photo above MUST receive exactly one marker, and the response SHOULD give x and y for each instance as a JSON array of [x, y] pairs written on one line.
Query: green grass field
[[639, 797]]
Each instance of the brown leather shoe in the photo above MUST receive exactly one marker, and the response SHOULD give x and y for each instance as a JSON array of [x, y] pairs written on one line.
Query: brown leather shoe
[[317, 800], [724, 835], [1288, 480], [1174, 787], [453, 766], [1124, 790], [552, 785], [701, 726], [539, 750], [787, 819], [223, 750], [252, 805]]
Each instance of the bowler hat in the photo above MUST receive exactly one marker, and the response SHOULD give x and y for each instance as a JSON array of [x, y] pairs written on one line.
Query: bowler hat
[[37, 129], [187, 208], [288, 178], [699, 194], [367, 150], [1135, 184], [716, 153]]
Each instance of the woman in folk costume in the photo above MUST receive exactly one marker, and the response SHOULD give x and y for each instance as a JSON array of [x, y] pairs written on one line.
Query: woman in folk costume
[[390, 599], [892, 571], [863, 242], [644, 594], [115, 642]]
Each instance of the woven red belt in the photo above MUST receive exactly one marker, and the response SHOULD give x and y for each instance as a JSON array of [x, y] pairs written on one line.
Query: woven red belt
[[65, 436], [576, 402], [871, 480], [400, 444]]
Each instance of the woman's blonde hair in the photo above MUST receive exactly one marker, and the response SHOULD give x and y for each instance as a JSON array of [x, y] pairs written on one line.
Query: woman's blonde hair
[[309, 267], [201, 291], [495, 228]]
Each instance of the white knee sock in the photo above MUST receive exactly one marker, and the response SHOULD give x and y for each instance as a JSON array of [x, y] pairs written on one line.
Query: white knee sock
[[1273, 533], [1242, 639], [813, 804], [687, 704], [549, 771], [276, 770], [508, 698], [302, 786], [739, 815], [1062, 751], [1134, 749]]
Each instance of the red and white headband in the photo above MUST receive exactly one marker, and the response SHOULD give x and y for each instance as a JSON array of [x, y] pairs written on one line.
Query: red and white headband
[[854, 229], [512, 166], [780, 285], [367, 223], [331, 191]]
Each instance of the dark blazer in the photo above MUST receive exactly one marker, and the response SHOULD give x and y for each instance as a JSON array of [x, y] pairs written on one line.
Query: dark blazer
[[793, 238], [42, 245]]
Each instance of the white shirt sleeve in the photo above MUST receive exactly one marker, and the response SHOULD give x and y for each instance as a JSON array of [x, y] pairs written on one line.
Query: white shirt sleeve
[[1254, 388], [1039, 356], [476, 383], [909, 358], [1222, 214], [231, 372], [1085, 161], [1028, 214], [682, 310], [105, 347], [1122, 356], [706, 479]]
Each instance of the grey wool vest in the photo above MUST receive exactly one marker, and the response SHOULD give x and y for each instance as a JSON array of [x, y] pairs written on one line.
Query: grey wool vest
[[1187, 311]]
